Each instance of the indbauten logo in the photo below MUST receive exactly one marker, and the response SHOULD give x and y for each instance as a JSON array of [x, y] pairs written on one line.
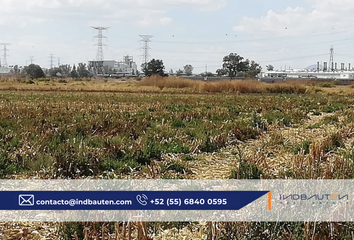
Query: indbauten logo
[[317, 197], [313, 199]]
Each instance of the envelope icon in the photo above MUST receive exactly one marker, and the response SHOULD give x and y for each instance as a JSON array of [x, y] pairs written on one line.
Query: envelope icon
[[26, 200]]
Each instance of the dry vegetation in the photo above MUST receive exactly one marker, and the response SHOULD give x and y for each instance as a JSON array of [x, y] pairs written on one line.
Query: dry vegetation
[[224, 86], [151, 84], [140, 129]]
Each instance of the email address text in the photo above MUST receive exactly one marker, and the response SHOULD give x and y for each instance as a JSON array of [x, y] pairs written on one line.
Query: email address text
[[86, 202]]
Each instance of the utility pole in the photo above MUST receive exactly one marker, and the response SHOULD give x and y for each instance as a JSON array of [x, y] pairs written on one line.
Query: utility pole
[[51, 60], [5, 50], [145, 40], [58, 61]]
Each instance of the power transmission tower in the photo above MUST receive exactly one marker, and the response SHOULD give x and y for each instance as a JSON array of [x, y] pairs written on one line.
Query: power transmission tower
[[331, 62], [99, 55], [31, 59], [145, 40], [5, 50], [51, 60]]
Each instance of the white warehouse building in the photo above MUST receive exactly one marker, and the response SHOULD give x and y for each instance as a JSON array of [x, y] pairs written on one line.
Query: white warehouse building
[[125, 67], [5, 70]]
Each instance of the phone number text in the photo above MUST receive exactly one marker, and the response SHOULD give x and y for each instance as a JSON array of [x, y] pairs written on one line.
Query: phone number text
[[189, 201]]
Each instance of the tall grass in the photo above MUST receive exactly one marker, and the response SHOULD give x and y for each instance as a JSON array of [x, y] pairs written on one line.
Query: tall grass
[[223, 86]]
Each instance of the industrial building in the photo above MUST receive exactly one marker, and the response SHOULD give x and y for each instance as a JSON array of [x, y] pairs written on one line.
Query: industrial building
[[320, 73], [5, 70], [127, 67], [298, 74], [326, 71]]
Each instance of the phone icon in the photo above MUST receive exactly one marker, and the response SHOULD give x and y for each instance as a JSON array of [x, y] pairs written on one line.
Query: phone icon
[[142, 199]]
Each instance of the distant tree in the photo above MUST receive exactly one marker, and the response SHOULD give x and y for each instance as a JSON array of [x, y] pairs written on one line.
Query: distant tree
[[188, 69], [254, 69], [82, 70], [91, 67], [221, 72], [143, 66], [54, 72], [207, 74], [154, 67], [234, 63], [171, 71], [270, 67], [179, 72], [33, 71], [16, 69], [65, 70], [74, 73]]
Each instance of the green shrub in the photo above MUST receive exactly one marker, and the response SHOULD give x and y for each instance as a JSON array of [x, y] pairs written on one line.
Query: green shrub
[[208, 145], [336, 141], [7, 167], [176, 166], [280, 117], [178, 123], [258, 123], [247, 171], [188, 158], [303, 147]]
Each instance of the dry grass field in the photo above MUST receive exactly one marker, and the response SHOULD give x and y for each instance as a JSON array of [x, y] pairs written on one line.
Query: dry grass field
[[151, 84], [175, 129]]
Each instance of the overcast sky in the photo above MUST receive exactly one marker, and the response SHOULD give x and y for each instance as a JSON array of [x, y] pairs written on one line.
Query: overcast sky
[[295, 33]]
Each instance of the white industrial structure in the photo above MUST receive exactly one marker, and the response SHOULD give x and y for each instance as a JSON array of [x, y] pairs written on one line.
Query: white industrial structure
[[5, 70], [296, 74], [324, 73], [344, 74], [127, 67]]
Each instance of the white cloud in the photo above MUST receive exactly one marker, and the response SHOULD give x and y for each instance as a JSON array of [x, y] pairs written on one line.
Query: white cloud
[[152, 17], [333, 6], [203, 5], [153, 11], [321, 16]]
